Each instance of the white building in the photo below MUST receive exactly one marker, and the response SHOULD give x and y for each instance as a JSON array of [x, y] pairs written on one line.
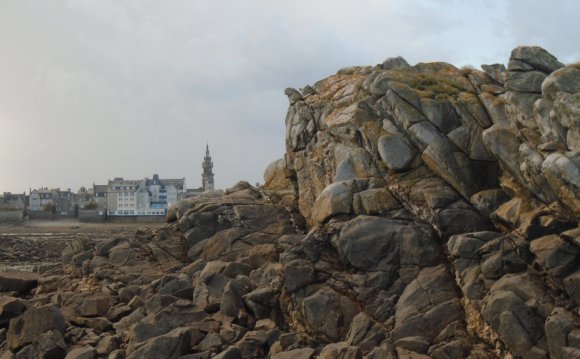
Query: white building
[[146, 197]]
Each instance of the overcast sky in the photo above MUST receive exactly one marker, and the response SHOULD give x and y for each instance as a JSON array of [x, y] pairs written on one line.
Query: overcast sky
[[96, 89]]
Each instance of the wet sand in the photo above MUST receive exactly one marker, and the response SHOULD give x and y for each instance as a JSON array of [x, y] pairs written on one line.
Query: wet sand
[[35, 243]]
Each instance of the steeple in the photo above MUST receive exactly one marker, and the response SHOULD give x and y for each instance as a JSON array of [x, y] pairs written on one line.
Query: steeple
[[207, 176]]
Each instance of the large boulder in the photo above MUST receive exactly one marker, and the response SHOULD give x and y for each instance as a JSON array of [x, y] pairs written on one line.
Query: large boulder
[[35, 321], [335, 199], [537, 58], [169, 346], [396, 152], [380, 244], [19, 282]]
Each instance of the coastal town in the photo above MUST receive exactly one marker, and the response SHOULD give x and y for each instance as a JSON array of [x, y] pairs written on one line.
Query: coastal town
[[119, 197]]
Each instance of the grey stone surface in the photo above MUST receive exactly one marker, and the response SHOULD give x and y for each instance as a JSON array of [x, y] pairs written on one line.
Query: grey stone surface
[[395, 63], [35, 321], [169, 346], [537, 57], [530, 81], [396, 152], [335, 199]]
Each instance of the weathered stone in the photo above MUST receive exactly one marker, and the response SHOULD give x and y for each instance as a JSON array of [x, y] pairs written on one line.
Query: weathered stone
[[371, 243], [458, 220], [455, 167], [328, 313], [395, 63], [47, 345], [427, 305], [504, 145], [335, 199], [396, 152], [262, 254], [340, 350], [496, 108], [304, 353], [488, 201], [537, 57], [20, 282], [345, 170], [557, 257], [517, 324], [211, 342], [376, 201], [203, 225], [566, 79], [297, 276], [496, 71], [293, 95], [230, 353], [231, 301], [141, 332], [208, 291], [35, 321], [466, 245], [169, 346], [108, 344], [175, 315], [97, 323], [81, 353], [261, 301], [572, 286], [566, 114], [558, 325], [94, 306], [530, 81], [441, 114], [10, 307], [561, 171]]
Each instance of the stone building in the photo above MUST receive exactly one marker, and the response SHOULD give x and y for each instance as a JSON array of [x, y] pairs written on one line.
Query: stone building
[[61, 200], [14, 201], [207, 175], [100, 195]]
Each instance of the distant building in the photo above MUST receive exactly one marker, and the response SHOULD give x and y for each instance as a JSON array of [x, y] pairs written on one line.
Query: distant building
[[39, 198], [100, 195], [207, 175], [144, 197], [10, 200], [121, 196], [82, 197], [62, 201]]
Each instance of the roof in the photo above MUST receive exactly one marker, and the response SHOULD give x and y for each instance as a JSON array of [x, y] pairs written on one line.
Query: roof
[[175, 182], [100, 188], [124, 182]]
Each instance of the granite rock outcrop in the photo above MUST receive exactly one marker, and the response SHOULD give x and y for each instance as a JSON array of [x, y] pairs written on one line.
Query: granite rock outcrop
[[419, 211]]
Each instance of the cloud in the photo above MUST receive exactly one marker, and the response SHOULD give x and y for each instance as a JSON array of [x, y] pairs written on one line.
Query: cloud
[[97, 89]]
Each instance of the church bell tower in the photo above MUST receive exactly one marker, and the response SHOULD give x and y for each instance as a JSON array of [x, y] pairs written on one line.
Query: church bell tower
[[207, 176]]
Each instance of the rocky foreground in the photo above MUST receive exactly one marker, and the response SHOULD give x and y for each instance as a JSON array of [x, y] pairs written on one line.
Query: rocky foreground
[[419, 212]]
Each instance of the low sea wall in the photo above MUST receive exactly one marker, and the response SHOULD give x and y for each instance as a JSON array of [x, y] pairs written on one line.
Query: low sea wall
[[89, 215], [11, 216], [135, 219]]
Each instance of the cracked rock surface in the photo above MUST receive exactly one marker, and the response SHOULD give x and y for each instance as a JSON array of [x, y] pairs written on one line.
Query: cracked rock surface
[[419, 211]]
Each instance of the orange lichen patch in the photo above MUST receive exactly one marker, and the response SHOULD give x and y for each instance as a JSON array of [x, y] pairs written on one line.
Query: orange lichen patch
[[352, 114], [330, 86], [402, 76], [438, 67]]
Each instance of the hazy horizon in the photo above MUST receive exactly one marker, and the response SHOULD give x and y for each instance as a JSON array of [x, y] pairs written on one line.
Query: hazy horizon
[[96, 89]]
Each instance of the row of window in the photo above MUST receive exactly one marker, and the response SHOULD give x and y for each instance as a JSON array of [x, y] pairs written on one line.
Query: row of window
[[124, 187], [133, 212]]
